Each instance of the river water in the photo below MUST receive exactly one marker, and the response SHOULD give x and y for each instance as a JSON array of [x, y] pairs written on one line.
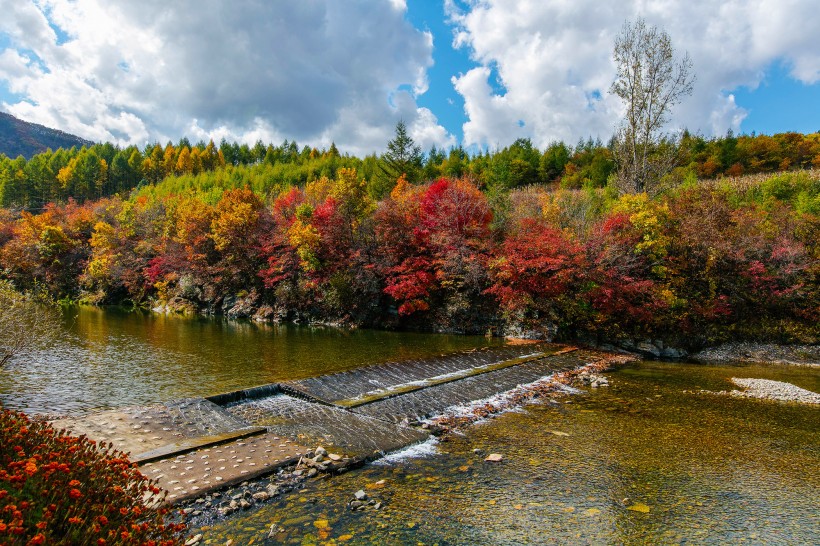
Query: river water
[[107, 358], [644, 461], [649, 460]]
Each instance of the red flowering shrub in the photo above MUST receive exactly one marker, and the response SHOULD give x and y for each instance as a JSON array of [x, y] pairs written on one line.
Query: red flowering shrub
[[59, 489]]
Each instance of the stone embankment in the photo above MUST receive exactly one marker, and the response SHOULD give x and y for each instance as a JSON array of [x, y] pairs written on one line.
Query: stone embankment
[[760, 353]]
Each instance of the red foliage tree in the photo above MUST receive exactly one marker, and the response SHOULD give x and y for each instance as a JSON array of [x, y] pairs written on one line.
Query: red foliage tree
[[538, 269]]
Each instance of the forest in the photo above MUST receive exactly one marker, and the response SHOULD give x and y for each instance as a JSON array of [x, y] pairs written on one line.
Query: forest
[[104, 170], [515, 242]]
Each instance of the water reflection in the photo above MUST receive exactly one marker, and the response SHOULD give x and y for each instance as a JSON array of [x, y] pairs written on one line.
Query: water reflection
[[111, 357]]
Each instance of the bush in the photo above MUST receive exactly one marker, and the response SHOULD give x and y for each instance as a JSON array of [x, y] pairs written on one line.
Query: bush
[[59, 489]]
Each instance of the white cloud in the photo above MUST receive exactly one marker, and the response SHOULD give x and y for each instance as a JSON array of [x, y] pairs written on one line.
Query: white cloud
[[553, 59], [315, 70]]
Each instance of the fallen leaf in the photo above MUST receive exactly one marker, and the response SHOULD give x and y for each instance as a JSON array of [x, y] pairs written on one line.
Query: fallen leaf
[[639, 507], [559, 433], [592, 512], [321, 524]]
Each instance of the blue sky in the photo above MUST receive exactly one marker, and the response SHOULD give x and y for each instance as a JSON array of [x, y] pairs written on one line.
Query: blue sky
[[780, 104], [478, 73]]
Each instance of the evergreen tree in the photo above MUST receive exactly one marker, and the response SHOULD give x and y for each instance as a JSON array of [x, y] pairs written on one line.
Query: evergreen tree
[[403, 157]]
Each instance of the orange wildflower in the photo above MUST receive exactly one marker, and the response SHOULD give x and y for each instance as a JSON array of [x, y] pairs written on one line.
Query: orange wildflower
[[31, 467]]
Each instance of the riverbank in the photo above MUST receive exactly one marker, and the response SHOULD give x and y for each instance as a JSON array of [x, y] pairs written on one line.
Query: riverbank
[[791, 355]]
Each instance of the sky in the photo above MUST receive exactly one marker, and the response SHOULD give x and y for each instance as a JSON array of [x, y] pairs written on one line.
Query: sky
[[476, 73]]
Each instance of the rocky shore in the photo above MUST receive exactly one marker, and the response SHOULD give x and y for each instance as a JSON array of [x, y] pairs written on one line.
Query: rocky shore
[[792, 355]]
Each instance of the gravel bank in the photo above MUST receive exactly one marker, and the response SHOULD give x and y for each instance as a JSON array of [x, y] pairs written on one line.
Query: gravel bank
[[773, 390], [793, 355]]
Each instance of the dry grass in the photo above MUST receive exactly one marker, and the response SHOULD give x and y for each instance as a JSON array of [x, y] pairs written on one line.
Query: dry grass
[[746, 182]]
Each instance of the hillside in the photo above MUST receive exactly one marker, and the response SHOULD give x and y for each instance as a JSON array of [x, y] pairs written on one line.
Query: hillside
[[18, 137]]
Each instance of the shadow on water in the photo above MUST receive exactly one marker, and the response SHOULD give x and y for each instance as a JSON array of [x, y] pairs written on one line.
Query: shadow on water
[[649, 460]]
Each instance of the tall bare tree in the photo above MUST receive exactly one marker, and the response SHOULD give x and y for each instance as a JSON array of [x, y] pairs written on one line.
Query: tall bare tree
[[650, 81]]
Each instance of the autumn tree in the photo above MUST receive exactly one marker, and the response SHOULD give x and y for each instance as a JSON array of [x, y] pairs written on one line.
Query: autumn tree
[[650, 81]]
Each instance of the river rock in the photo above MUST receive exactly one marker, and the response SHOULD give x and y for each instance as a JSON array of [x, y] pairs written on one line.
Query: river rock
[[494, 458], [193, 540], [321, 451], [261, 496], [244, 505], [360, 495], [672, 352], [649, 348]]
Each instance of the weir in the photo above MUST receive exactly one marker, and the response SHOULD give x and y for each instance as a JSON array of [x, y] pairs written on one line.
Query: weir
[[194, 446]]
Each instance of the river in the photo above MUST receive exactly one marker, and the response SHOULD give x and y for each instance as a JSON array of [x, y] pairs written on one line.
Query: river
[[112, 357], [648, 460], [644, 461]]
